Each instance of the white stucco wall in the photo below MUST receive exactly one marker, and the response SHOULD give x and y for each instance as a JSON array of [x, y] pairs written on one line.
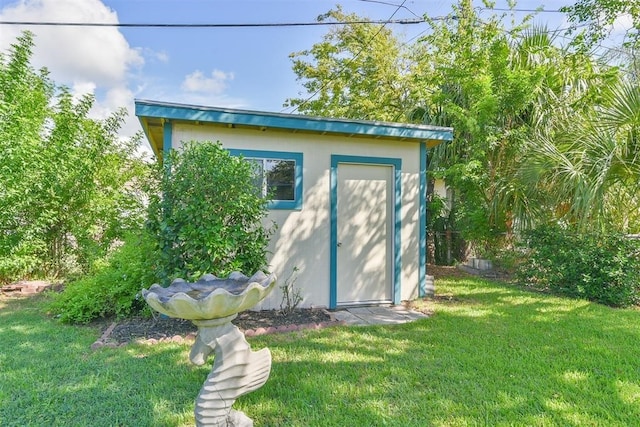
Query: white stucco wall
[[440, 188], [303, 237]]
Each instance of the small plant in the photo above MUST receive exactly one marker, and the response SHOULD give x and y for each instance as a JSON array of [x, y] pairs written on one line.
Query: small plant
[[291, 296]]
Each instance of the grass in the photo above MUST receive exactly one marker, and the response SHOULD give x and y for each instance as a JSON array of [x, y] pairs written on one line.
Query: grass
[[490, 355]]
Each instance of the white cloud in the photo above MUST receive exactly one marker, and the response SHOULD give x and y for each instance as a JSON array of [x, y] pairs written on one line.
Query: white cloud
[[115, 98], [81, 88], [618, 30], [98, 54], [162, 57], [94, 60], [154, 56], [621, 26], [165, 91], [623, 23], [198, 82]]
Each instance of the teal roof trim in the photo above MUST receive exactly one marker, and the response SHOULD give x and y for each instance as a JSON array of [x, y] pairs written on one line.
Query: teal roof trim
[[192, 113]]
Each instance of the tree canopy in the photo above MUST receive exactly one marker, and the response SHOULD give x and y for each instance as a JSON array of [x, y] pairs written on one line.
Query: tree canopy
[[543, 131], [598, 17], [357, 71], [69, 186]]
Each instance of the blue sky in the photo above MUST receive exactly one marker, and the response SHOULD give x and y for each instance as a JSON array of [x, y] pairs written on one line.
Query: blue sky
[[228, 67]]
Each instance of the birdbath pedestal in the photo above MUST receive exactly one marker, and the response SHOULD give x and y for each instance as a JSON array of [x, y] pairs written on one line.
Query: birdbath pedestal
[[211, 304]]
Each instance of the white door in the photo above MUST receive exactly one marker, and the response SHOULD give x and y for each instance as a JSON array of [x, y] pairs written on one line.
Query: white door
[[364, 233]]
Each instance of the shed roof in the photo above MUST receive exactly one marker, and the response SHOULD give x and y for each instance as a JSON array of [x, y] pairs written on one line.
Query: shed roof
[[153, 115]]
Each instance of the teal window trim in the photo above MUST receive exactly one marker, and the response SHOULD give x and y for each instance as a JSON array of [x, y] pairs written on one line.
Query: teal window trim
[[422, 257], [397, 226], [296, 203]]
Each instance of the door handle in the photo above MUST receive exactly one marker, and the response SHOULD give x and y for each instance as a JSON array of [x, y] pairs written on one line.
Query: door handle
[[339, 244]]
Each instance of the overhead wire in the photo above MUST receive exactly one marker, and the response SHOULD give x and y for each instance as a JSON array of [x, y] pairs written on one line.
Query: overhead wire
[[210, 25], [406, 21], [382, 23], [392, 4], [504, 9]]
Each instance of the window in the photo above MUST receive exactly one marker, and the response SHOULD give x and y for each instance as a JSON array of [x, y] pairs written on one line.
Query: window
[[279, 176], [276, 177]]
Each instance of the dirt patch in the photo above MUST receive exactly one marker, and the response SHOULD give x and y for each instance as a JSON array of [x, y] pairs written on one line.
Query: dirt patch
[[274, 318], [162, 328], [26, 287], [444, 271]]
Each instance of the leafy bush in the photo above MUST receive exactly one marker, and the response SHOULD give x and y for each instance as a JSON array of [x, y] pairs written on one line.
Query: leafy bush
[[112, 288], [508, 260], [207, 215], [601, 267]]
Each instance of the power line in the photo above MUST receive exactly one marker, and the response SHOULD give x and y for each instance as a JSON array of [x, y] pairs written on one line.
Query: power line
[[501, 9], [412, 21], [210, 25], [391, 4]]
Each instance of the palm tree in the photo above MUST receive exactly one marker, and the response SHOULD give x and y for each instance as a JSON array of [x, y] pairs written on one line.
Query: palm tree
[[588, 168]]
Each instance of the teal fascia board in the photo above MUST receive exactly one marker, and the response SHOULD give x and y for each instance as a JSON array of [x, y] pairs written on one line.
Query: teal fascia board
[[261, 119], [296, 203], [397, 227]]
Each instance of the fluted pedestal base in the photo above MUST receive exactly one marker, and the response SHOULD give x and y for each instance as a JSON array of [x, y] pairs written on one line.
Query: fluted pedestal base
[[236, 370]]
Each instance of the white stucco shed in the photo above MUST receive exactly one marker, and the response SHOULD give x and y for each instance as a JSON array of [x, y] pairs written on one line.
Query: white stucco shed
[[350, 195]]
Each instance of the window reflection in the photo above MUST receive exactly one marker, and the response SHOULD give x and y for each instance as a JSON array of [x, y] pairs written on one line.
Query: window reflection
[[275, 177]]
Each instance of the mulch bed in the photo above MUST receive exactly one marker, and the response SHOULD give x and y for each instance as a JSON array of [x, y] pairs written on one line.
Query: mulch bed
[[162, 328]]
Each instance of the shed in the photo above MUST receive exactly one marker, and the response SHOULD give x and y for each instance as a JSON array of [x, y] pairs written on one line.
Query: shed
[[350, 195]]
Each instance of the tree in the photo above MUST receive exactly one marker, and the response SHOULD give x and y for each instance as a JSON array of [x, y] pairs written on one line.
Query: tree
[[281, 180], [358, 71], [207, 215], [513, 96], [569, 84], [69, 188], [589, 167], [458, 75], [599, 17], [468, 79]]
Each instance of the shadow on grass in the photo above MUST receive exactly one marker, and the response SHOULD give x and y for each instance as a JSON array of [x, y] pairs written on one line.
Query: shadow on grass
[[49, 376], [507, 358], [493, 355]]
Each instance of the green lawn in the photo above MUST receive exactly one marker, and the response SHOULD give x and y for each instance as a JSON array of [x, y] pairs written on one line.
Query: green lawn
[[490, 355]]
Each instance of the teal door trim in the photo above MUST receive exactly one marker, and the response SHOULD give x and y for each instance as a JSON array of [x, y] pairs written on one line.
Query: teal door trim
[[397, 221]]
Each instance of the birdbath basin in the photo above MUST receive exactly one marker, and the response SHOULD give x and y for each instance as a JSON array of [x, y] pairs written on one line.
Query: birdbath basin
[[212, 303]]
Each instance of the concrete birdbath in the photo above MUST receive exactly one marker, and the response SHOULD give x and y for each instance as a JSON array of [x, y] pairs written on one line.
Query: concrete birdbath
[[211, 304]]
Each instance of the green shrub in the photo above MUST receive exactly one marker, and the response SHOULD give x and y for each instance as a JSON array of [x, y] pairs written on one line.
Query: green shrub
[[112, 287], [207, 215], [601, 267]]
